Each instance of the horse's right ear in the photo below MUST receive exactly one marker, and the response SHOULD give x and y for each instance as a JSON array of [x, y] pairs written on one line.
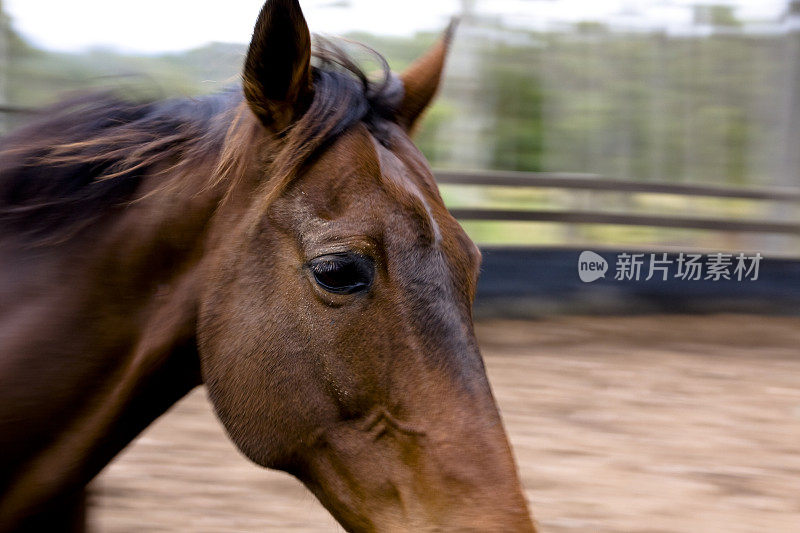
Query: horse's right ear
[[277, 71]]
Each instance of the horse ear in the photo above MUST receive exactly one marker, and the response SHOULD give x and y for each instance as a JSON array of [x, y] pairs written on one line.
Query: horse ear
[[421, 79], [277, 71]]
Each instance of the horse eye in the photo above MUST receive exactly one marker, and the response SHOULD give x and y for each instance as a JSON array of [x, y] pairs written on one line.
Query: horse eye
[[344, 273]]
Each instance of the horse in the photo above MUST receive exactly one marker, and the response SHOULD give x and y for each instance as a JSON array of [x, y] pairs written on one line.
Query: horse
[[283, 244]]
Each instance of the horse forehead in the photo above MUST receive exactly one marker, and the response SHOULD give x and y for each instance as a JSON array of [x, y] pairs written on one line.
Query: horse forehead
[[345, 180], [353, 153], [407, 172], [403, 182]]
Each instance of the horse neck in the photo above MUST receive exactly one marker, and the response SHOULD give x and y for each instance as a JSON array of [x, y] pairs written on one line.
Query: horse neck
[[106, 347]]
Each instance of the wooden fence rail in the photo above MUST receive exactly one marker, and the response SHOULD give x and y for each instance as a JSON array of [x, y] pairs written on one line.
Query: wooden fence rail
[[591, 182], [595, 182]]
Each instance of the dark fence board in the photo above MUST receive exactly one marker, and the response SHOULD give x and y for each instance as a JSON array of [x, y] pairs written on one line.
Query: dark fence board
[[530, 282]]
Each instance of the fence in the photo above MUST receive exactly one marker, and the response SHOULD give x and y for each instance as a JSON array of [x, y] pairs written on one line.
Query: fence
[[531, 281], [598, 183]]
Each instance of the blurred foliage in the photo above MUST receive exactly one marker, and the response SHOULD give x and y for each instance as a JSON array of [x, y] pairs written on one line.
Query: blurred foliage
[[639, 106]]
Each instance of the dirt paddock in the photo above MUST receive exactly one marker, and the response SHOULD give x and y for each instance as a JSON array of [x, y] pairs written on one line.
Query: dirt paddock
[[641, 424]]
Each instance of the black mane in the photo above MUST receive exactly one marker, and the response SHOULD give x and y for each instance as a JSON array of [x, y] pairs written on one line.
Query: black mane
[[86, 158]]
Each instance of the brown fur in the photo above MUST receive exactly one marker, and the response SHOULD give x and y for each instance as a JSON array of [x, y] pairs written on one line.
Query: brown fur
[[188, 262]]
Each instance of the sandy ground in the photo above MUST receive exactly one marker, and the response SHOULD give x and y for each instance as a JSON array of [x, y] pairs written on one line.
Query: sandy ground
[[643, 424]]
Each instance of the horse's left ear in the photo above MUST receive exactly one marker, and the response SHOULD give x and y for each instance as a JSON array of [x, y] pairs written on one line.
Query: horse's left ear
[[421, 80], [277, 71]]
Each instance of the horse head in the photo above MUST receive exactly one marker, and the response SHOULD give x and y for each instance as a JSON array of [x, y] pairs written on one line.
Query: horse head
[[335, 325]]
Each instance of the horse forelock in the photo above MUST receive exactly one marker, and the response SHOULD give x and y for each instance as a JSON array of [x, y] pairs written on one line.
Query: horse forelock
[[343, 96]]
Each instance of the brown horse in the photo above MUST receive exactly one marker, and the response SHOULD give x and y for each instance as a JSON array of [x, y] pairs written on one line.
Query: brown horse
[[286, 246]]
